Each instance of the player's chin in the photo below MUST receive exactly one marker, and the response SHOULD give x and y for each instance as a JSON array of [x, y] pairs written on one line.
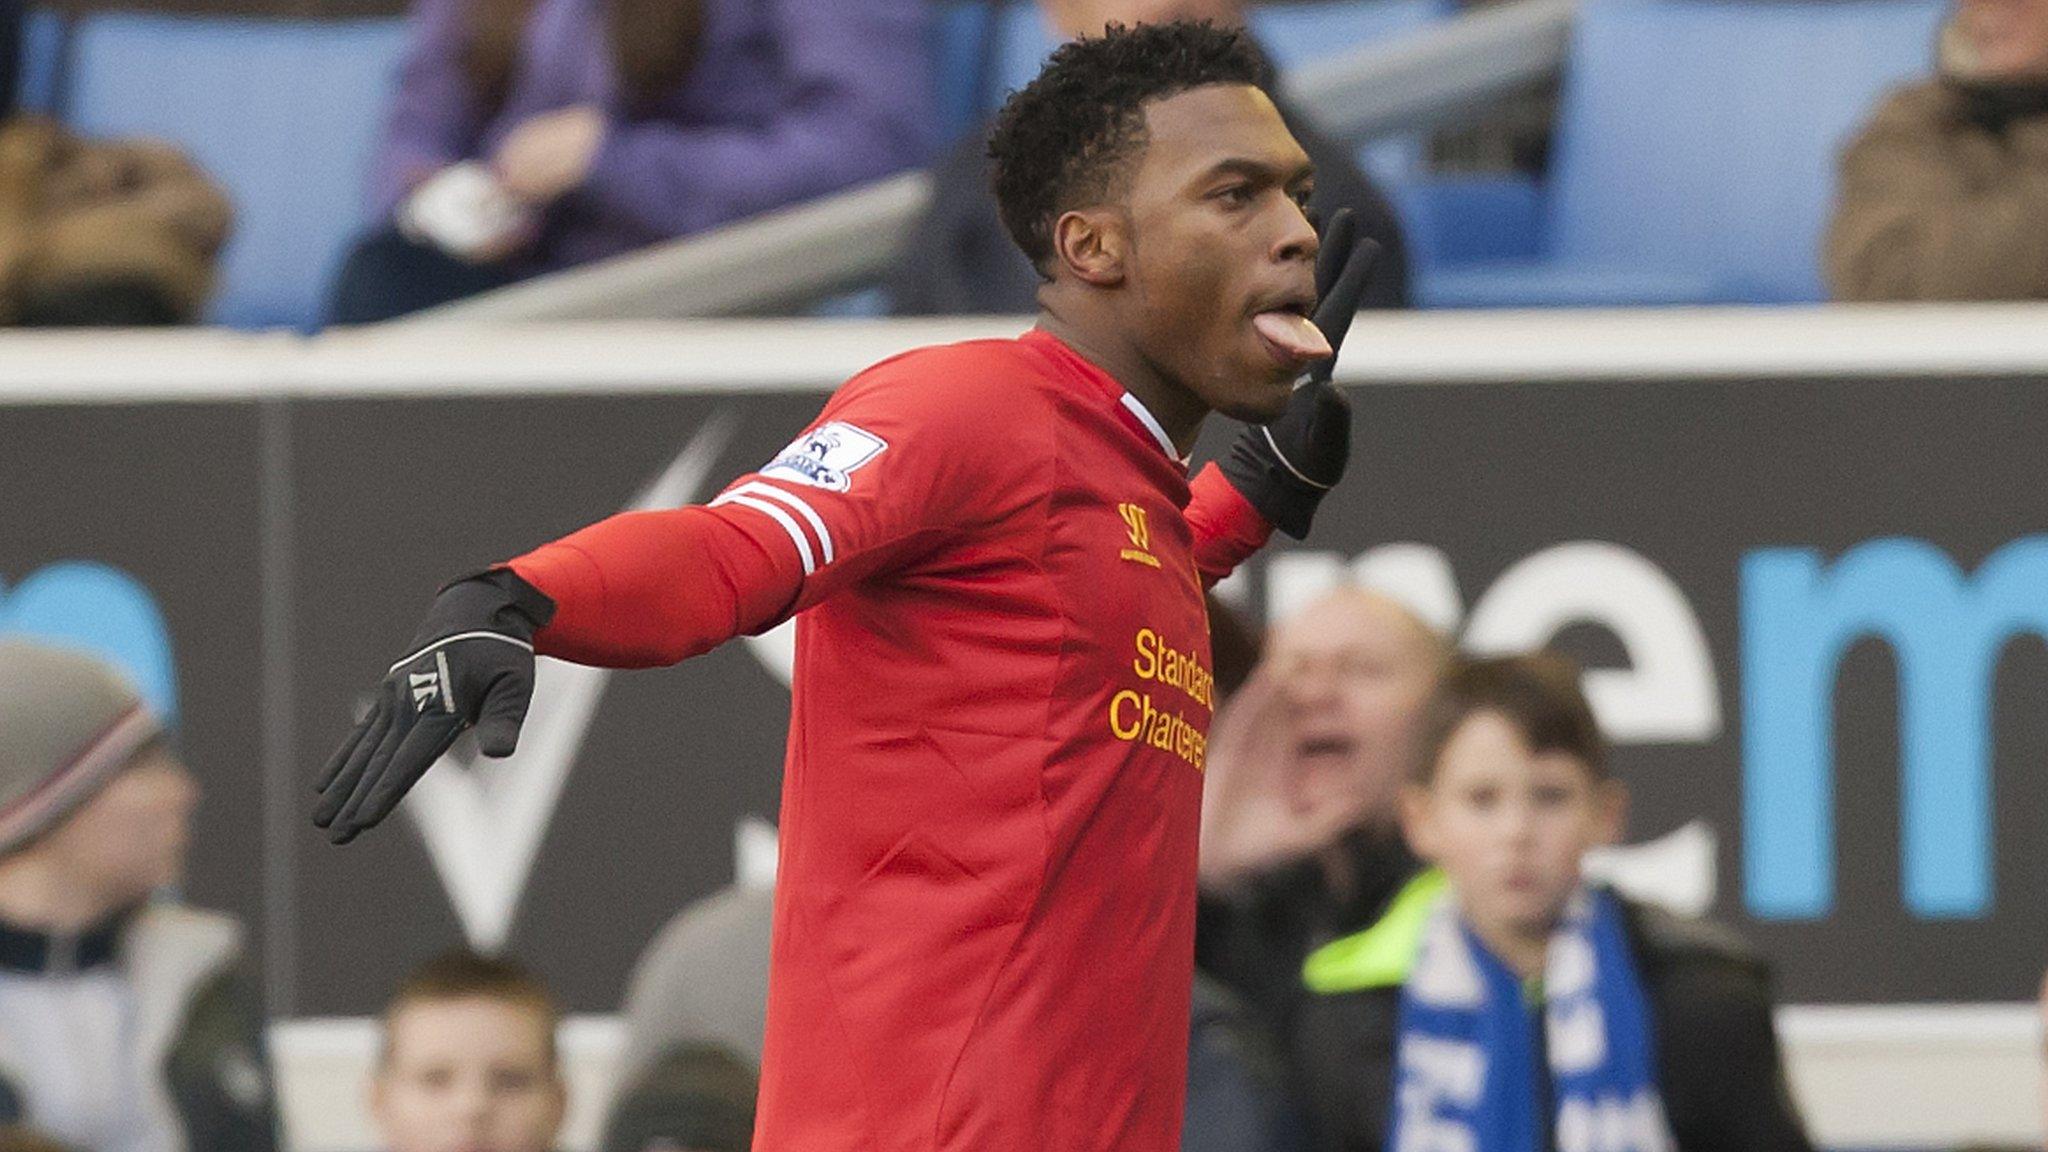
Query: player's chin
[[1255, 401], [1264, 387]]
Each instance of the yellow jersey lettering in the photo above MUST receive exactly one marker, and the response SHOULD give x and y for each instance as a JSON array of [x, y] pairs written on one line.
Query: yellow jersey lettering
[[1159, 661], [1147, 663], [1117, 726]]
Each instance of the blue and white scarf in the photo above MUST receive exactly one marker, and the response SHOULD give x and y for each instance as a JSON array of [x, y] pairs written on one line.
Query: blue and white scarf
[[1465, 1078]]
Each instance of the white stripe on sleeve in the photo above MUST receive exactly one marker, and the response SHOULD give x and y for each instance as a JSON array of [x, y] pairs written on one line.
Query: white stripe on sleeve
[[796, 534], [792, 500]]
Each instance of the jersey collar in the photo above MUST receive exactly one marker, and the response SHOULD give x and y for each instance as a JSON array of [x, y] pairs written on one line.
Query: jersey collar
[[1136, 407], [1130, 411]]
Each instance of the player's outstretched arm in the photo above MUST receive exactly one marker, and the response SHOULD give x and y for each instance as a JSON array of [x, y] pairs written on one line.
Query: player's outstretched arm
[[470, 664], [1284, 468], [640, 589]]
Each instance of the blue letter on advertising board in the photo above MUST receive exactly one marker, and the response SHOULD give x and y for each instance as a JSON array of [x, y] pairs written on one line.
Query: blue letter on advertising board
[[1946, 632]]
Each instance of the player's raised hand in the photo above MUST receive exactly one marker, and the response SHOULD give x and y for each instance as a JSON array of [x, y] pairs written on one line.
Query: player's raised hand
[[1284, 467], [469, 665]]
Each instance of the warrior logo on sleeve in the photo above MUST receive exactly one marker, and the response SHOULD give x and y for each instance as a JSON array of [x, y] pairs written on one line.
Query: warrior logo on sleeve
[[826, 456]]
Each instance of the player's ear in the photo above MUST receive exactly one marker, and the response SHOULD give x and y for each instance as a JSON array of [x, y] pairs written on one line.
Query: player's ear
[[1091, 243]]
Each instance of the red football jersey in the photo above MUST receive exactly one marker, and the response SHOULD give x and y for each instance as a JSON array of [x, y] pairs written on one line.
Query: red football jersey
[[984, 917]]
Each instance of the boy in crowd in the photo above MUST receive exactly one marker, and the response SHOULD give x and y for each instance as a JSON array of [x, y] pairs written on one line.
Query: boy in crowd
[[468, 1062], [1504, 1004], [127, 1022]]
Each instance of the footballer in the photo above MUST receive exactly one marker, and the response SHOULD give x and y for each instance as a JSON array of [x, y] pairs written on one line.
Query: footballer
[[996, 558]]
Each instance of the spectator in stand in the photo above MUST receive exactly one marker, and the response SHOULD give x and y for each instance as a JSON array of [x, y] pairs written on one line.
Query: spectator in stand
[[693, 1098], [702, 981], [98, 233], [532, 135], [1944, 193], [1504, 1004], [125, 1024], [1300, 838], [959, 260], [467, 1061]]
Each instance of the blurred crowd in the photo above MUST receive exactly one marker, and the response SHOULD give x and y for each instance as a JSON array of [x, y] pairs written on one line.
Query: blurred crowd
[[529, 136], [1359, 769]]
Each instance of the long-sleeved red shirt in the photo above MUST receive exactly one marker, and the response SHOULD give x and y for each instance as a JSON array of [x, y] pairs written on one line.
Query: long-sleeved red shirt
[[984, 916]]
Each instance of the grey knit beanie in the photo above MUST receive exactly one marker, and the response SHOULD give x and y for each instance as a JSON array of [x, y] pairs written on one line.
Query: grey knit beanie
[[68, 723]]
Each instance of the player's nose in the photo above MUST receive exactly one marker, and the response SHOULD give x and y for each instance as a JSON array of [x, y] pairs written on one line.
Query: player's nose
[[1296, 238]]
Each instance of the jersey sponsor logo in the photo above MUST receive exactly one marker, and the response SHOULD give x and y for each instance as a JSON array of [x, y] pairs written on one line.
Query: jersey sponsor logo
[[1140, 531], [1157, 660], [827, 456], [1136, 718]]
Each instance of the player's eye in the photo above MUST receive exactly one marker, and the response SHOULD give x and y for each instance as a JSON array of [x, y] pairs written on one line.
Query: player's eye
[[1300, 196], [1235, 195]]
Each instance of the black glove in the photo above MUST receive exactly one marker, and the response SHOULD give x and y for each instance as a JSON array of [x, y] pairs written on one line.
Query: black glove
[[471, 663], [1285, 467]]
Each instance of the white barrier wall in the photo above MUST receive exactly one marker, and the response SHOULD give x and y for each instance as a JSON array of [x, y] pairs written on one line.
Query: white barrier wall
[[1677, 454]]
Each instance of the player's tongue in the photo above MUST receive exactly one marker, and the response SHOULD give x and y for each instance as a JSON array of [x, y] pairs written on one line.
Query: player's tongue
[[1295, 335]]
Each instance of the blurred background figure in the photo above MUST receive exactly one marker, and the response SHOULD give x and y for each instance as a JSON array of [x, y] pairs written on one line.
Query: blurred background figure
[[533, 135], [125, 1025], [959, 260], [98, 232], [1660, 1028], [468, 1060], [693, 1098], [1300, 839], [703, 980], [1944, 194]]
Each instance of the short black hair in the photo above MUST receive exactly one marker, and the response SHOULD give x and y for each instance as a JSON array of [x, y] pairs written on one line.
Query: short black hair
[[1061, 140], [1537, 692]]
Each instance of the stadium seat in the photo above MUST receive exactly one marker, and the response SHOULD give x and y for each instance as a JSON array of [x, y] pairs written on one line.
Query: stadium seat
[[961, 34], [44, 34], [283, 112], [1696, 146], [1458, 219], [1307, 30], [1298, 33]]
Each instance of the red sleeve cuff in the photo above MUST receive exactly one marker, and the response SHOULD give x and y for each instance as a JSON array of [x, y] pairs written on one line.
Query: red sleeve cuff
[[1227, 528], [575, 583]]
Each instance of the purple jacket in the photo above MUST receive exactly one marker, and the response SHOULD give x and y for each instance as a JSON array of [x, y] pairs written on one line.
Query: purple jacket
[[787, 100]]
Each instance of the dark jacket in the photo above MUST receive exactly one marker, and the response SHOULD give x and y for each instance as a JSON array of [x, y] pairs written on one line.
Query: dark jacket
[[1254, 939], [200, 1028], [1718, 1066], [958, 260], [1237, 1093]]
